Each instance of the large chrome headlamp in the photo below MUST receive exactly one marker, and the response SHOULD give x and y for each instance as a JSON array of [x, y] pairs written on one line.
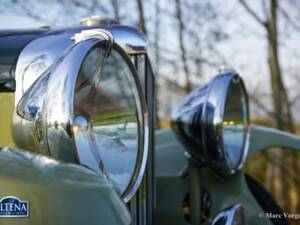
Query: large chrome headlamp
[[213, 122], [88, 107]]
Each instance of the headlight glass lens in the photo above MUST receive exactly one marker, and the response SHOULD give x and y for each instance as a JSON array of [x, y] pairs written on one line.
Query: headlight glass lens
[[235, 123], [107, 98]]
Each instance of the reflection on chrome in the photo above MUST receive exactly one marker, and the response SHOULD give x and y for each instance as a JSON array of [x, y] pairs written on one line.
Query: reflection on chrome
[[78, 103], [106, 98], [234, 124], [118, 149], [233, 215], [212, 122]]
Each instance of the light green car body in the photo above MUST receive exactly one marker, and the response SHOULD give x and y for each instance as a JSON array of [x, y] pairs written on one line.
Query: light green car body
[[63, 193], [57, 192], [172, 186]]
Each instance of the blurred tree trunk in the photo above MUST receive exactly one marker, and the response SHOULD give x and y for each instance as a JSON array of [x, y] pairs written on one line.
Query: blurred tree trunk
[[142, 23], [284, 120], [157, 57], [116, 8], [280, 185], [143, 27], [157, 35], [188, 86]]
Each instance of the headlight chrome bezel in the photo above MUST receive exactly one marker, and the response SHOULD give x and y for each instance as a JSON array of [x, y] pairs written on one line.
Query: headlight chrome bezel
[[51, 120], [217, 96], [198, 123]]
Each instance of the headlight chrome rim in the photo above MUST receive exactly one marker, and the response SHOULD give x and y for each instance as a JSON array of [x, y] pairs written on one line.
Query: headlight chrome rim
[[215, 94], [198, 123], [53, 119], [143, 128], [141, 160]]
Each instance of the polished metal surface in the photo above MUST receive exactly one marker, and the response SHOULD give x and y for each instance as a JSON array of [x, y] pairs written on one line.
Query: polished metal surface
[[235, 121], [97, 21], [12, 43], [143, 204], [213, 122], [151, 169], [47, 106], [43, 51], [40, 56], [234, 215], [110, 100], [48, 121]]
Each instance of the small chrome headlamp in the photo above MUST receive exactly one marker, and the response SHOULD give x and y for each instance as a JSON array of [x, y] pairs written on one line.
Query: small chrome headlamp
[[213, 122], [88, 108]]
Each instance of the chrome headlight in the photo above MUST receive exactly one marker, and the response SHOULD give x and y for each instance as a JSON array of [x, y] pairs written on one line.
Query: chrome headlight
[[213, 122], [88, 108]]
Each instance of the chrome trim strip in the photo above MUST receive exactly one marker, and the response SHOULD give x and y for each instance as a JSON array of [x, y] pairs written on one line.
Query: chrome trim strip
[[230, 216], [144, 132]]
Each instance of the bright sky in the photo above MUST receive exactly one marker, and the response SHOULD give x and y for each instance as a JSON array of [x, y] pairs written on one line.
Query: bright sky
[[13, 21], [245, 50]]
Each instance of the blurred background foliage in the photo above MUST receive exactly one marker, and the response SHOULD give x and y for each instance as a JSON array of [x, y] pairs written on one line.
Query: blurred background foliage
[[190, 40]]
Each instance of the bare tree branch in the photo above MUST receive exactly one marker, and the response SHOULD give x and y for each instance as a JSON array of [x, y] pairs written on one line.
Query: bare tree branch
[[262, 106], [251, 11], [116, 9], [277, 161], [142, 22], [182, 46], [289, 19], [266, 9]]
